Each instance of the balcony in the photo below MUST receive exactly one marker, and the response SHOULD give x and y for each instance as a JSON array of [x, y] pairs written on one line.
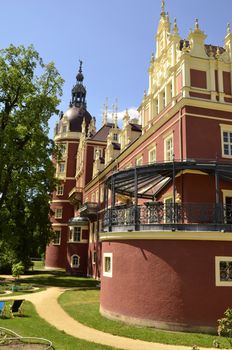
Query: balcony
[[159, 216], [89, 209], [75, 196]]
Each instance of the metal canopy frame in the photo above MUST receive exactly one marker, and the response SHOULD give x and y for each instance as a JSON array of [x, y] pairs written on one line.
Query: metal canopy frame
[[145, 181]]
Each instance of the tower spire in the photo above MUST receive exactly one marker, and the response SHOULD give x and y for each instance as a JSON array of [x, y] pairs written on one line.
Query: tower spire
[[162, 9], [79, 91], [105, 113]]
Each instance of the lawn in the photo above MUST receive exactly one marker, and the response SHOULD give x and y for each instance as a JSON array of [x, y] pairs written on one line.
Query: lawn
[[60, 279], [32, 325], [83, 305]]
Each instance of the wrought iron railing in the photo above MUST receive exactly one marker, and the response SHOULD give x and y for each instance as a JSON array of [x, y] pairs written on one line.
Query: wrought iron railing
[[157, 213]]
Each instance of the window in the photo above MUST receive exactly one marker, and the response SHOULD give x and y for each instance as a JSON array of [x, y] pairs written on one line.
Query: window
[[102, 193], [60, 190], [171, 90], [62, 148], [75, 261], [107, 264], [58, 213], [139, 161], [223, 271], [97, 196], [227, 143], [94, 257], [152, 155], [61, 167], [115, 137], [57, 237], [168, 148], [226, 140], [156, 106], [93, 197], [163, 97], [75, 234], [227, 202], [98, 151]]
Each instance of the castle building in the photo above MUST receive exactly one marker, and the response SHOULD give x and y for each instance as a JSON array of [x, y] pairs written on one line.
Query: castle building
[[147, 207]]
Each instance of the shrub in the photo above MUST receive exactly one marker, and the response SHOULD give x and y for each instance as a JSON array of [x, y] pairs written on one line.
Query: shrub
[[17, 269], [225, 325]]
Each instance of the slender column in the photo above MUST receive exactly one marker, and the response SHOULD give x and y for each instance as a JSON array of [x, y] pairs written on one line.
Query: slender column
[[174, 189], [112, 192], [217, 206], [136, 200]]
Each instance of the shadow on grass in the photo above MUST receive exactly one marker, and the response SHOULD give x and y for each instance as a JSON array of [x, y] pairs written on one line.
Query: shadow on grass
[[60, 279]]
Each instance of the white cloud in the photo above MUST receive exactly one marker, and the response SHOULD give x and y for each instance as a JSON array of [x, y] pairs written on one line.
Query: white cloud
[[132, 111]]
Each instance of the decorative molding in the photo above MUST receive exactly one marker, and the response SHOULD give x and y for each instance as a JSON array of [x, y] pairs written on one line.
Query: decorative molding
[[167, 235]]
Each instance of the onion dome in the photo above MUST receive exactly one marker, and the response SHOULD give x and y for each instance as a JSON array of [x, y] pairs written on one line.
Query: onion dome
[[77, 111]]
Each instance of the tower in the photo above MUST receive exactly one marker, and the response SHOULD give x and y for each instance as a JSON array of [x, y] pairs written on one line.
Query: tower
[[63, 251]]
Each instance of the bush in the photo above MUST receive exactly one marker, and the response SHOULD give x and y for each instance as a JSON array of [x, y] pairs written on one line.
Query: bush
[[17, 269], [225, 325]]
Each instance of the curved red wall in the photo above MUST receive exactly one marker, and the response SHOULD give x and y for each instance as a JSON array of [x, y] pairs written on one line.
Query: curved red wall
[[169, 284]]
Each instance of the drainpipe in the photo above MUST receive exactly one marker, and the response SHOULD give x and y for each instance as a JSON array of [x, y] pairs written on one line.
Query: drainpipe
[[136, 200]]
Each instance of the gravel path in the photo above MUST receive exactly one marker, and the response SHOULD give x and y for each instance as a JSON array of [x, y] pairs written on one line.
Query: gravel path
[[49, 309]]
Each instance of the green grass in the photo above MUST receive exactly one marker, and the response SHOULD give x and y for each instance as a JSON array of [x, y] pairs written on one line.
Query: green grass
[[60, 279], [33, 326], [83, 305]]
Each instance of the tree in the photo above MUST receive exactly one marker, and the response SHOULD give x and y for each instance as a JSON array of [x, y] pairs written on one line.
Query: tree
[[29, 95]]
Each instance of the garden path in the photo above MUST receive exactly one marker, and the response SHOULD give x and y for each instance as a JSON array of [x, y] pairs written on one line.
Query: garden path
[[47, 306]]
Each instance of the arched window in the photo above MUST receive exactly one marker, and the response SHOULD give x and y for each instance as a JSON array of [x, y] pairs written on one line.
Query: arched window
[[75, 261]]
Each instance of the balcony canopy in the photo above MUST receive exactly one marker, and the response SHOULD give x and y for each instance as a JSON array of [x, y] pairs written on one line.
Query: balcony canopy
[[147, 180]]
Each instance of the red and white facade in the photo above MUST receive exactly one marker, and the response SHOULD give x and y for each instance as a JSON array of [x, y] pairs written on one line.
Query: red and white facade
[[150, 204]]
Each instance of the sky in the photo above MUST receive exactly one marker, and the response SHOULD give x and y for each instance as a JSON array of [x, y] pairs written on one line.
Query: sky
[[113, 38]]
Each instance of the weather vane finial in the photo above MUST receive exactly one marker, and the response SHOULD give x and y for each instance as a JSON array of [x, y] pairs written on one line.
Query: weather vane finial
[[163, 8], [80, 68]]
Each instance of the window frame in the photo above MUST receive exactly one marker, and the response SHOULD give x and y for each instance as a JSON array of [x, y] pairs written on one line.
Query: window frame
[[108, 273], [153, 149], [59, 240], [59, 168], [58, 209], [228, 129], [139, 161], [75, 266], [94, 257], [218, 281], [60, 193], [72, 234], [63, 148], [168, 158]]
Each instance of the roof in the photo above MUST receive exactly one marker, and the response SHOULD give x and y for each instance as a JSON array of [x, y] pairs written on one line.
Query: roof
[[101, 135], [151, 178], [208, 48], [136, 127]]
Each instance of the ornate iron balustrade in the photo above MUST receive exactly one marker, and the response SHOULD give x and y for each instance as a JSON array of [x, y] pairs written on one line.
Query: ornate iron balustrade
[[157, 213]]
